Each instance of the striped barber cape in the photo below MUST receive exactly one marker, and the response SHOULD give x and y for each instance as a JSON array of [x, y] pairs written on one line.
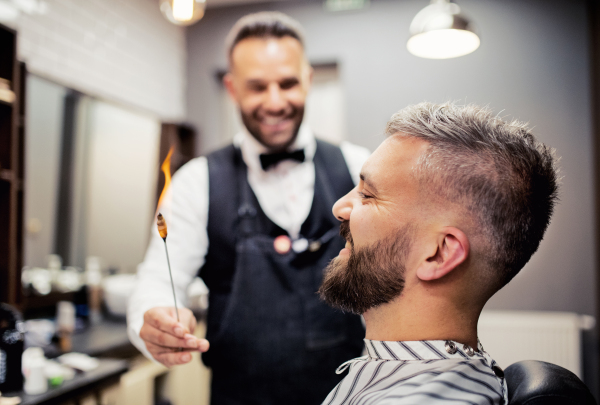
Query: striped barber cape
[[428, 372]]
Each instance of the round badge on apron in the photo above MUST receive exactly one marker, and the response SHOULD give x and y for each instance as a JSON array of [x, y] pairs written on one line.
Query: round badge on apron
[[282, 244]]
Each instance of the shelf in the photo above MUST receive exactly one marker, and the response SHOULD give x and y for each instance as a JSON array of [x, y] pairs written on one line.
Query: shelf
[[7, 175], [11, 163]]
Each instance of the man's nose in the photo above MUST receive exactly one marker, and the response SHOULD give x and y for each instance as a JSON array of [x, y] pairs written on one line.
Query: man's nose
[[343, 207], [275, 99]]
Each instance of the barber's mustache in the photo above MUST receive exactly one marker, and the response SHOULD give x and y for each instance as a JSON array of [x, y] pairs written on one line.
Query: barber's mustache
[[345, 231], [288, 111]]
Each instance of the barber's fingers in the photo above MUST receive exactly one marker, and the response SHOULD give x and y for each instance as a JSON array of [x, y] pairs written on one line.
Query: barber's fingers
[[188, 319], [171, 357], [167, 356], [157, 337], [165, 319], [150, 334], [162, 335]]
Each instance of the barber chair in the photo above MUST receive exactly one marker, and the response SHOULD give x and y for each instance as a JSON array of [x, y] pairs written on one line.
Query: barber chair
[[533, 382]]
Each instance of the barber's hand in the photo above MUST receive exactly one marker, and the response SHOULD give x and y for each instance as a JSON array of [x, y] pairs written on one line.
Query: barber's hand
[[170, 342]]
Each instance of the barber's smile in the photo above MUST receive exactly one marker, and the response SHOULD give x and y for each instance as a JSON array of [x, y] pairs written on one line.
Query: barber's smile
[[276, 123]]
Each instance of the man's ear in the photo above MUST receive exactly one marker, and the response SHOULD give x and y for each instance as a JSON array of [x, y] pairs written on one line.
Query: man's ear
[[451, 250], [228, 83]]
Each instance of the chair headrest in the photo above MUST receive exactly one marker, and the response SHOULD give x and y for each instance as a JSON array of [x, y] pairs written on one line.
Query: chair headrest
[[534, 382]]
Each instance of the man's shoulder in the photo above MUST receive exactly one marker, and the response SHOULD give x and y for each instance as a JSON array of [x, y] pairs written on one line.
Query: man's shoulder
[[192, 170], [355, 156], [224, 152], [445, 381], [438, 382]]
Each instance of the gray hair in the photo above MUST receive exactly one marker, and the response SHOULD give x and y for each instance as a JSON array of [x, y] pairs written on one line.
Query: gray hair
[[497, 170], [266, 24]]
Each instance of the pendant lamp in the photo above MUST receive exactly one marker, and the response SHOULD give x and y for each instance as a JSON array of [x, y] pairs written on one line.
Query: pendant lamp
[[182, 12], [439, 31]]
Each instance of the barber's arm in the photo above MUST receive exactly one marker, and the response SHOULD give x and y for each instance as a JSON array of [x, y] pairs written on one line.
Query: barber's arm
[[151, 319]]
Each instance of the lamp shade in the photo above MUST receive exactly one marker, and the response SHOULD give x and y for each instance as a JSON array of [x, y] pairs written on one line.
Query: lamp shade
[[182, 12], [439, 31]]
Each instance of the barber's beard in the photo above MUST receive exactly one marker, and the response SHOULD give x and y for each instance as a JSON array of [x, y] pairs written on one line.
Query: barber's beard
[[275, 142], [370, 276]]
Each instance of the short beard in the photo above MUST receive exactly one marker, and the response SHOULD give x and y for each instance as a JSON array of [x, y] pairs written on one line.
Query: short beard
[[250, 122], [370, 277]]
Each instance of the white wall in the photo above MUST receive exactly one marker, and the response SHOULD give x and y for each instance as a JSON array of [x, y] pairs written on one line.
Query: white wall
[[118, 50]]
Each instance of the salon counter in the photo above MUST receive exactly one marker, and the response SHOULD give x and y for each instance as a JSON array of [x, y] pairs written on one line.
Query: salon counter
[[90, 383], [130, 379], [108, 338]]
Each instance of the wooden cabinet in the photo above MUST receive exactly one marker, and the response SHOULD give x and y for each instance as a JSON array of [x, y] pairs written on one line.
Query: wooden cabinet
[[11, 167]]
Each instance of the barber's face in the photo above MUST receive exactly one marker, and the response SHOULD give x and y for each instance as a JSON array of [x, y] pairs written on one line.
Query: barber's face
[[269, 81], [380, 218]]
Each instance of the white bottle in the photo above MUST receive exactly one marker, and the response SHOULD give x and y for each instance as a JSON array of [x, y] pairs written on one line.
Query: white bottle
[[34, 364]]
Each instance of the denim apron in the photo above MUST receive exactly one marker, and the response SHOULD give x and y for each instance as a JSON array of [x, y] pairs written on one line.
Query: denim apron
[[273, 341]]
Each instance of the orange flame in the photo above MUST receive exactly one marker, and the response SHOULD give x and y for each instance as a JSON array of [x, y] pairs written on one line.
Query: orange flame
[[166, 168]]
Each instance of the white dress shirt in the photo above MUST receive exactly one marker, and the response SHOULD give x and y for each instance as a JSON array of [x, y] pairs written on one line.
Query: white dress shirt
[[285, 193], [432, 372]]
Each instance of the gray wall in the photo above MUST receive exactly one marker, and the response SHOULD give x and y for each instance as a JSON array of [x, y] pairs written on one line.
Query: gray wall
[[532, 65]]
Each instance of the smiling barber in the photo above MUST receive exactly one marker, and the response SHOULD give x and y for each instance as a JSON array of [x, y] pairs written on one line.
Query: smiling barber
[[253, 219]]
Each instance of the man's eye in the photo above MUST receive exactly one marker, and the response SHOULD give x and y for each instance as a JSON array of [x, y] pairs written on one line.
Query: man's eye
[[257, 88], [288, 84], [364, 196]]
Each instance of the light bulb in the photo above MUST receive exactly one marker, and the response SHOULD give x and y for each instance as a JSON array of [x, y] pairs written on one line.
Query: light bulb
[[443, 44], [439, 31], [182, 12]]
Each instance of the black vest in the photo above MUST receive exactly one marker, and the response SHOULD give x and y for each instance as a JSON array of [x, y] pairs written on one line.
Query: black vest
[[277, 333]]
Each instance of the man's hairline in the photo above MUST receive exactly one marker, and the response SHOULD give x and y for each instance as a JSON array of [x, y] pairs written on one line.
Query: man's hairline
[[265, 38]]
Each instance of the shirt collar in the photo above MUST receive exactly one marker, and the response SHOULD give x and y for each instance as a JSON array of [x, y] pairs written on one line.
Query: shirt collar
[[251, 148], [420, 350]]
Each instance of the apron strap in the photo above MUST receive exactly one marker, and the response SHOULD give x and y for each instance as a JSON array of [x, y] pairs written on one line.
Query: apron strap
[[246, 211]]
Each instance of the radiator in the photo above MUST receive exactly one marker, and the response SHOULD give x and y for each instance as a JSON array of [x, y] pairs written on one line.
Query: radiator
[[554, 337]]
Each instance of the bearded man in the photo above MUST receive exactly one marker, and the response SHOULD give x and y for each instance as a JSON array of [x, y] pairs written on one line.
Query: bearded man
[[448, 210], [253, 220]]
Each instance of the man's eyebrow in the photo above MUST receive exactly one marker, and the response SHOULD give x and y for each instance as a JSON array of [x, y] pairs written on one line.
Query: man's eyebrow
[[365, 178], [254, 82]]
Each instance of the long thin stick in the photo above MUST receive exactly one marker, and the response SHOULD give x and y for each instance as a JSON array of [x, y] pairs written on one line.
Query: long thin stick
[[171, 275]]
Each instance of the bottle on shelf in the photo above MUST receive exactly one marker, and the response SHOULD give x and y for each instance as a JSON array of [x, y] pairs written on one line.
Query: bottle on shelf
[[11, 349]]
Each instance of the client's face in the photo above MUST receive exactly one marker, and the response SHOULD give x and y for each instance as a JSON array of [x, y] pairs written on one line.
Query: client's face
[[369, 276], [378, 222]]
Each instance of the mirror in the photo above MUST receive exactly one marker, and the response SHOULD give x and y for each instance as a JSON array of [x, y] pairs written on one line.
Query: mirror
[[90, 184]]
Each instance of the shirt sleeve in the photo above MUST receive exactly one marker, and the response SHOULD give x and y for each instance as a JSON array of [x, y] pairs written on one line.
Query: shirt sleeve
[[355, 157], [185, 209]]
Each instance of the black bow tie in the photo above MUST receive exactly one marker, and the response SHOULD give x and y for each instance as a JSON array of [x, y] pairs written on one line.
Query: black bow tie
[[271, 159]]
